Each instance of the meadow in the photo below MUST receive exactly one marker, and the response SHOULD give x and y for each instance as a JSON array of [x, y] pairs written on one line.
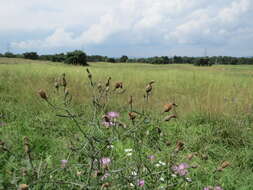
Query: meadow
[[60, 141]]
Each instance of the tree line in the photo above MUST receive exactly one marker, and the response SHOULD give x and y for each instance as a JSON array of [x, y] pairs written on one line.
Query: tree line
[[81, 58]]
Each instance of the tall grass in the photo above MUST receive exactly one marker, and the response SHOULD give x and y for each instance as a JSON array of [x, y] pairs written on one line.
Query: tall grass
[[214, 118]]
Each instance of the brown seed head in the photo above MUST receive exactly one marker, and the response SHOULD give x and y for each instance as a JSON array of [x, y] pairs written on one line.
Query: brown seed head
[[169, 117], [223, 166], [132, 115], [179, 146], [130, 101], [118, 85], [107, 84], [43, 94], [23, 187], [106, 118]]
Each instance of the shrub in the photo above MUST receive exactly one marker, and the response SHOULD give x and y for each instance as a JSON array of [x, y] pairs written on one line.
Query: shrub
[[31, 55], [76, 57]]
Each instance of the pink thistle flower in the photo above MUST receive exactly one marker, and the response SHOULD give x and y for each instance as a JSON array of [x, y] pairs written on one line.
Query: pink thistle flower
[[180, 169], [105, 161], [141, 183], [217, 188], [151, 157], [113, 114], [207, 188]]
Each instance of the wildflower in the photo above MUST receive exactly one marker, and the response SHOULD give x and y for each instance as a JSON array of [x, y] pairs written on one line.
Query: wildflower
[[162, 179], [162, 163], [106, 175], [78, 173], [64, 163], [207, 188], [129, 154], [134, 173], [141, 183], [217, 188], [23, 187], [112, 115], [188, 179], [105, 161], [151, 157], [128, 150], [108, 124], [181, 169]]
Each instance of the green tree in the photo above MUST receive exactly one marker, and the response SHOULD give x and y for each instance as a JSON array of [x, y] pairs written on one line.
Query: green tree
[[31, 55], [76, 57], [123, 59]]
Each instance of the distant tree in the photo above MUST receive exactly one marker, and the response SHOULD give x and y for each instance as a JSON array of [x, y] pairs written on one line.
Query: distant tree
[[123, 59], [31, 55], [1, 55], [9, 55], [76, 57], [111, 60]]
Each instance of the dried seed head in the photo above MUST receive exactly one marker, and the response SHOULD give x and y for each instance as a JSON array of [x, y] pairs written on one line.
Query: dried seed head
[[43, 94], [190, 156], [168, 107], [132, 115], [56, 84], [179, 146], [152, 82], [99, 86], [89, 74], [107, 84], [64, 82], [23, 187], [106, 118], [223, 166], [169, 117], [66, 92], [204, 157], [118, 85], [130, 101], [106, 185]]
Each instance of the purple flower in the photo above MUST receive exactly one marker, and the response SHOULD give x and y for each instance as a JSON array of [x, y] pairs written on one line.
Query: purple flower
[[207, 188], [180, 169], [64, 163], [141, 183], [105, 176], [105, 161], [217, 188], [151, 157], [113, 114]]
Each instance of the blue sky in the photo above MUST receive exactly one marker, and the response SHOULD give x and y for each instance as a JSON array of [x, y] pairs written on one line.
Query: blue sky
[[137, 28]]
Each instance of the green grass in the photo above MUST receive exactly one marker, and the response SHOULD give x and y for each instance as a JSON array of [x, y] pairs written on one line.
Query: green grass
[[214, 121]]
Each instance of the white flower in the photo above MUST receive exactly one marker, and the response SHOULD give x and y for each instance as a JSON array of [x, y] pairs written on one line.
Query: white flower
[[161, 179], [132, 185], [157, 165], [128, 150], [162, 163], [129, 154], [174, 175], [134, 173]]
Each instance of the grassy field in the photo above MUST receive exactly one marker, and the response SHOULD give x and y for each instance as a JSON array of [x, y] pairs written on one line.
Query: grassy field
[[214, 124]]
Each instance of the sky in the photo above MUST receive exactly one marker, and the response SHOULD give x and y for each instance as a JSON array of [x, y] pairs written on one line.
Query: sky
[[136, 28]]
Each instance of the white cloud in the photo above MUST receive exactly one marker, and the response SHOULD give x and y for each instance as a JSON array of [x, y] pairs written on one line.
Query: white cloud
[[82, 22]]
